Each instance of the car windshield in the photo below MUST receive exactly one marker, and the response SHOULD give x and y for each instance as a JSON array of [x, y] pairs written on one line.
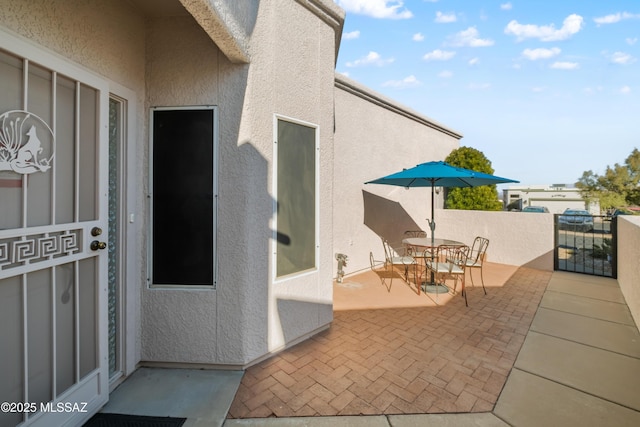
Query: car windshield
[[576, 212]]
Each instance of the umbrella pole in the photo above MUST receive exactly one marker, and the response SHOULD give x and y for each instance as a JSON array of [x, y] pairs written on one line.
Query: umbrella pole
[[432, 223], [432, 226], [432, 286]]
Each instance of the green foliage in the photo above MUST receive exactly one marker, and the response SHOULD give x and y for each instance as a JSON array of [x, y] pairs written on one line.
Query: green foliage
[[602, 251], [619, 186], [484, 198]]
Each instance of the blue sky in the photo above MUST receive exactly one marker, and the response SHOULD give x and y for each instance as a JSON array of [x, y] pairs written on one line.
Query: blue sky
[[546, 89]]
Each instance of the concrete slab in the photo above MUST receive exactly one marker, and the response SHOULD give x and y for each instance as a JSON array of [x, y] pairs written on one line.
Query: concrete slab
[[611, 336], [602, 289], [443, 420], [584, 278], [354, 421], [605, 374], [531, 401], [203, 395], [447, 420], [604, 310]]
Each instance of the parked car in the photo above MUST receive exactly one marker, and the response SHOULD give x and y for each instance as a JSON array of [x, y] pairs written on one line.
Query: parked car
[[542, 209], [621, 211], [576, 220]]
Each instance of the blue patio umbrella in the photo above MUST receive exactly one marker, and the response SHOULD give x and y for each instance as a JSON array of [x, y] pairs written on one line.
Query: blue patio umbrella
[[438, 174]]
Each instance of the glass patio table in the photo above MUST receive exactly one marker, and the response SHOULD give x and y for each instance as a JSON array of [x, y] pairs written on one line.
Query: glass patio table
[[424, 244]]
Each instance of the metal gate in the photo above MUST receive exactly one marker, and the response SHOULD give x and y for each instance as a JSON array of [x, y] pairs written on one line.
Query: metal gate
[[586, 244]]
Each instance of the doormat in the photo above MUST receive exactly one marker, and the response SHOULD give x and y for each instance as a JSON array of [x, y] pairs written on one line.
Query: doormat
[[119, 420]]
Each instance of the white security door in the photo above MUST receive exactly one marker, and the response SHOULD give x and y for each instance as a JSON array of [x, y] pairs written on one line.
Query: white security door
[[53, 234]]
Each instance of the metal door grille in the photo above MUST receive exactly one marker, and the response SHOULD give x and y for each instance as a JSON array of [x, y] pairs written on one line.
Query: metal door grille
[[49, 203]]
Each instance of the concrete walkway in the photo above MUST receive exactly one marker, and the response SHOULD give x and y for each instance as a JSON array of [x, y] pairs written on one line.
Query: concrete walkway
[[579, 365]]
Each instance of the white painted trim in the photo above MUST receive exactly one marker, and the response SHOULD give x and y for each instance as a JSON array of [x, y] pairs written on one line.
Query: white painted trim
[[131, 222]]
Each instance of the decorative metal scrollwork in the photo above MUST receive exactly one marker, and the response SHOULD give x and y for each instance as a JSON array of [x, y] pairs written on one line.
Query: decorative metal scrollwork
[[26, 143], [39, 247]]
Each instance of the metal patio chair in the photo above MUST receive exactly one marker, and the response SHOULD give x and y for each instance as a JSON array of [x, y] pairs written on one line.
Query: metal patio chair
[[449, 262], [476, 258], [393, 259]]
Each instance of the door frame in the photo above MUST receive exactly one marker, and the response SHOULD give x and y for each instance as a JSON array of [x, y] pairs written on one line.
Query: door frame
[[130, 221]]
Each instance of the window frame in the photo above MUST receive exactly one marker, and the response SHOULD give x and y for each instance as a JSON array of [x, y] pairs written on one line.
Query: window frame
[[316, 128], [215, 172]]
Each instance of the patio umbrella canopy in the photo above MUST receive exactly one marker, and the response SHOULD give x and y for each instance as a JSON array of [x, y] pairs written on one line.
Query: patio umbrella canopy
[[439, 174]]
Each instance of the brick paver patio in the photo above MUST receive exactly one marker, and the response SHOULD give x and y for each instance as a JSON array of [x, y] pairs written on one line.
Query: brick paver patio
[[404, 360]]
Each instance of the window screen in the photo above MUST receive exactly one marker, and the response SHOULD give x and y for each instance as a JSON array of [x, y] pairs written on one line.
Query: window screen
[[182, 199], [296, 198]]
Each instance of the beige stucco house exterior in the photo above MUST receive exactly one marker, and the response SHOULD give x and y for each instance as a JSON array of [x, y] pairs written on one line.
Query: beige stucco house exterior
[[176, 177]]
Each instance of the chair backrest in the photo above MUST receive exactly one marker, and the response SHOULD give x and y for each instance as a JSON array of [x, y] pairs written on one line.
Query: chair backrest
[[479, 249], [415, 233], [388, 250], [451, 255]]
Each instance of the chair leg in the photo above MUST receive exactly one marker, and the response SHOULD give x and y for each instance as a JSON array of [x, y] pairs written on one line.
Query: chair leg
[[481, 278], [391, 270], [464, 292]]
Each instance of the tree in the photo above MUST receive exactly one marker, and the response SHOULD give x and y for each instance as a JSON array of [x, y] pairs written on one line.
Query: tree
[[484, 198], [619, 186]]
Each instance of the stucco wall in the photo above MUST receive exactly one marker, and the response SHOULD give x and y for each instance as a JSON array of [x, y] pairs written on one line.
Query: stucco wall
[[515, 238], [249, 315], [374, 137], [291, 74], [182, 69], [628, 265]]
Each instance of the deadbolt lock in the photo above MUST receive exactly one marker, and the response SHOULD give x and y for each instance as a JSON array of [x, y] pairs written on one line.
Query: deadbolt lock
[[95, 245], [96, 231]]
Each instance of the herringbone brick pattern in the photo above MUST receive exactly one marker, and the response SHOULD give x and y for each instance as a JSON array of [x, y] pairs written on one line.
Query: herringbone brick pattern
[[433, 359]]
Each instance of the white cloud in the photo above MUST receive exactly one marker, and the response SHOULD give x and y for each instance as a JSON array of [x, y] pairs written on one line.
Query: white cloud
[[506, 6], [372, 58], [546, 33], [385, 9], [439, 55], [445, 74], [592, 90], [351, 35], [540, 53], [615, 17], [418, 37], [479, 86], [622, 58], [537, 89], [410, 81], [474, 61], [625, 89], [442, 18], [469, 37], [631, 41], [560, 65]]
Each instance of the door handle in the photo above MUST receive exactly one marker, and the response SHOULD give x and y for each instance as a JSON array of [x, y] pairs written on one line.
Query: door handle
[[95, 245]]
